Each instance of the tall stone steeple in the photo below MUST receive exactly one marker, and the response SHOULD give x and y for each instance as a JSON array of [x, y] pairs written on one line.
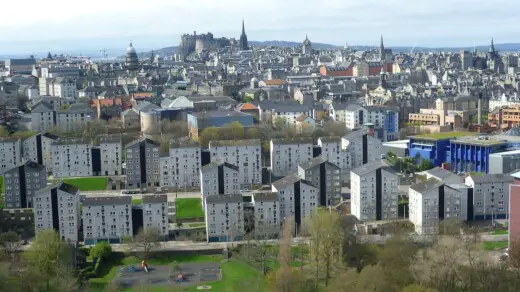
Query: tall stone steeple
[[382, 49], [244, 46]]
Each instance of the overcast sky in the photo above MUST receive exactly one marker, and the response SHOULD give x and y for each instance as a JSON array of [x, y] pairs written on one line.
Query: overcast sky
[[64, 25]]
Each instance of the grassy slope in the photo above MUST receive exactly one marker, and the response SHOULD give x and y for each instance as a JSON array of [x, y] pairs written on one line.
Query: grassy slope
[[188, 208], [88, 183]]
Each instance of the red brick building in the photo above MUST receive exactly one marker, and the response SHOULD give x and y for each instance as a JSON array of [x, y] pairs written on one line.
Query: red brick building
[[337, 71]]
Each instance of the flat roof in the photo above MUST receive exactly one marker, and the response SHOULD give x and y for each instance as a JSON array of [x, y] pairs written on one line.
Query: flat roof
[[442, 136]]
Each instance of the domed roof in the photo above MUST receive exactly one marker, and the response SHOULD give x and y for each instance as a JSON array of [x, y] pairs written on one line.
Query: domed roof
[[130, 49]]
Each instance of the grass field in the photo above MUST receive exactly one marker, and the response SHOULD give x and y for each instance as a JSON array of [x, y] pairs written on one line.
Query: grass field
[[236, 275], [137, 202], [493, 245], [88, 183], [444, 135], [499, 232], [188, 208]]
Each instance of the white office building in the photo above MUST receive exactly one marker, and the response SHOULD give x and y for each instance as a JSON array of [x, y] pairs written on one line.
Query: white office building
[[57, 207], [246, 154], [10, 153], [181, 167], [224, 218], [107, 219], [374, 189], [72, 158], [298, 198], [287, 154], [219, 178], [155, 214], [110, 148]]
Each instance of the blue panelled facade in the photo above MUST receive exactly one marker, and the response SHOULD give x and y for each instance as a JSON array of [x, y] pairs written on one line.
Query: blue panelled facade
[[461, 155], [435, 150], [391, 125], [470, 157]]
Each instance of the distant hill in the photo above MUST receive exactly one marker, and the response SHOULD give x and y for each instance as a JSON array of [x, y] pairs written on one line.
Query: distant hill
[[511, 47]]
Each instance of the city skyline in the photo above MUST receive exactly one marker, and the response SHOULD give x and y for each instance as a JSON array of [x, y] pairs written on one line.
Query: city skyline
[[161, 23]]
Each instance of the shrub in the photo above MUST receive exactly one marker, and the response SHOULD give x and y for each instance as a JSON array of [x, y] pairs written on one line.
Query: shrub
[[101, 250]]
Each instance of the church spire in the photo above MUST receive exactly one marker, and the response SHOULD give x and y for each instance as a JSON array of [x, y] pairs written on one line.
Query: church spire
[[382, 46], [244, 46]]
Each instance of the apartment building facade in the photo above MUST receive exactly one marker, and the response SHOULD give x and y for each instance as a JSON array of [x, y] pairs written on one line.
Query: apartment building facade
[[374, 189], [326, 176], [490, 196], [107, 219], [219, 178], [21, 184], [266, 215], [155, 214], [246, 154], [224, 218], [298, 198], [72, 158], [10, 153], [287, 154], [111, 152], [181, 167], [38, 148], [58, 207], [142, 164]]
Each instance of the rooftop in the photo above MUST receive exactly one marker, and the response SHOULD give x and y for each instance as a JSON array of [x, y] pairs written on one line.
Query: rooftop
[[482, 140], [155, 199], [292, 141], [265, 196], [249, 142], [215, 199], [313, 162], [108, 200], [443, 136], [216, 114], [430, 184]]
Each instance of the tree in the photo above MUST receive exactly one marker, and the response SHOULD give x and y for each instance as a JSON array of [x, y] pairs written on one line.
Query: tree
[[101, 250], [10, 243], [145, 241], [325, 243], [285, 279], [207, 135], [425, 164], [49, 260], [335, 129]]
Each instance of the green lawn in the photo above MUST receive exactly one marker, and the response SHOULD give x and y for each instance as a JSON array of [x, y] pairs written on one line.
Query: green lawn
[[499, 232], [88, 183], [237, 276], [493, 245], [444, 135], [188, 208], [137, 202]]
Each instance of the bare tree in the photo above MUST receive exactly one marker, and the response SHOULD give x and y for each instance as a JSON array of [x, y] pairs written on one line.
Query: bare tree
[[145, 241]]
